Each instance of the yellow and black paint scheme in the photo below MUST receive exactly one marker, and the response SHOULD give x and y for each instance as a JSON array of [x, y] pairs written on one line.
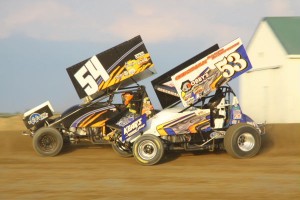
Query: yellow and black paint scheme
[[94, 116], [130, 68], [106, 70], [101, 114], [93, 120]]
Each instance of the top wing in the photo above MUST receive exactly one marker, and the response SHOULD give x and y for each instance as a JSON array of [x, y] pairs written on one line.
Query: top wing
[[210, 72], [107, 69], [163, 85]]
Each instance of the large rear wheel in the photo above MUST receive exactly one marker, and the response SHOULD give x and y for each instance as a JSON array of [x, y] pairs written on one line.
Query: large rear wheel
[[47, 141], [242, 141]]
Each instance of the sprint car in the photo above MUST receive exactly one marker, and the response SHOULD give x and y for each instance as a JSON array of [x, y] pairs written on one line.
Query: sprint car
[[200, 110], [104, 82]]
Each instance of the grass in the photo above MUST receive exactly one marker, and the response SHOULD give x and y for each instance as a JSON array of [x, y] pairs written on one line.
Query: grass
[[7, 115]]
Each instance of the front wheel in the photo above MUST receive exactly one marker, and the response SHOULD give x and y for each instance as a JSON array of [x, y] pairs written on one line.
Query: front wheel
[[148, 150], [47, 141], [242, 141], [120, 149]]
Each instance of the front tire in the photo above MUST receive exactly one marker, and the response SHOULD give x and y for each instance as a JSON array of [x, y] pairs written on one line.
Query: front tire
[[148, 150], [120, 149], [47, 141], [242, 141]]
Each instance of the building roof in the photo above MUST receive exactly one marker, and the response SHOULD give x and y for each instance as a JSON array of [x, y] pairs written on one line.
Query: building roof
[[287, 30]]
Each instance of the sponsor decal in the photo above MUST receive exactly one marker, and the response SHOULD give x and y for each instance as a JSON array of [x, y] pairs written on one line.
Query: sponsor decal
[[237, 114], [167, 91], [204, 75], [36, 117], [142, 58], [210, 72], [134, 127], [134, 66]]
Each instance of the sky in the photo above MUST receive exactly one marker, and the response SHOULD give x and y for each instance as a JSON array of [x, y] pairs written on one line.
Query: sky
[[40, 39]]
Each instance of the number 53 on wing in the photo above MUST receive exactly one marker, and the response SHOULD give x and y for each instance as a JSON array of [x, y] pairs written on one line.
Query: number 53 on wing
[[212, 71]]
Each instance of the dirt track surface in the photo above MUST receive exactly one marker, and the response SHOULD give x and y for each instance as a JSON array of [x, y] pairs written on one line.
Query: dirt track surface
[[96, 172]]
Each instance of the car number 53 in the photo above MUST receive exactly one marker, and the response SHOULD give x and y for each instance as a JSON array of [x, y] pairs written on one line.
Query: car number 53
[[231, 64]]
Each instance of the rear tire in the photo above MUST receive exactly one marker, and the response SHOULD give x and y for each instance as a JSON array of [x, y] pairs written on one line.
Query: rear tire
[[148, 150], [47, 141], [242, 141]]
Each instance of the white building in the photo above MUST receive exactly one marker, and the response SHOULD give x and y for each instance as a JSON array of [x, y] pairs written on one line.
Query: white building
[[271, 90]]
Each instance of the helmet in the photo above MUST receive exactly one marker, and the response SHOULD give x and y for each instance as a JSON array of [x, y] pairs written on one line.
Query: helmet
[[126, 98]]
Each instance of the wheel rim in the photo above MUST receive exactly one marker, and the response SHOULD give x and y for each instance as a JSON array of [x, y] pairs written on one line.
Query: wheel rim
[[147, 150], [47, 143], [121, 146], [246, 142]]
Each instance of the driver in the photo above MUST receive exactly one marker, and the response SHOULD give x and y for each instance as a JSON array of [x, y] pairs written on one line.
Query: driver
[[126, 98]]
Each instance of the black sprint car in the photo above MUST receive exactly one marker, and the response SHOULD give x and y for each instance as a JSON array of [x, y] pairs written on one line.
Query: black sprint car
[[105, 82]]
